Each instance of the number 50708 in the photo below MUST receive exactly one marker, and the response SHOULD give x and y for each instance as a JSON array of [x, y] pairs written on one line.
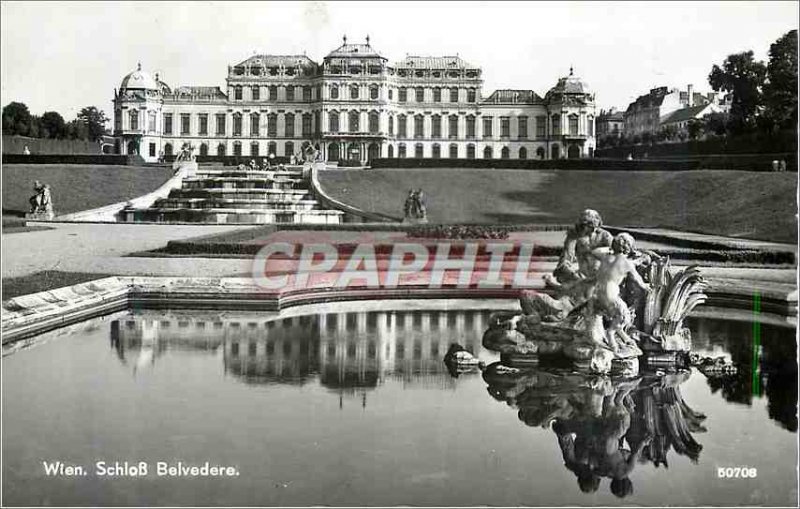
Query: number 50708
[[737, 472]]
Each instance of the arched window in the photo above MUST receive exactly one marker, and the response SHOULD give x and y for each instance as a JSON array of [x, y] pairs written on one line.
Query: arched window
[[540, 153], [334, 92], [391, 125], [272, 125], [419, 126], [221, 149], [391, 152], [401, 126], [306, 124], [273, 93], [203, 149], [470, 151], [272, 149], [556, 124], [505, 153], [454, 95], [134, 120], [471, 95], [402, 94], [471, 126], [168, 149], [523, 153], [437, 95], [288, 148], [453, 151], [254, 149], [237, 148], [255, 93], [419, 94], [436, 126], [333, 152], [374, 122], [353, 122], [307, 94], [237, 93], [487, 153], [436, 151], [333, 122], [555, 152], [418, 151], [401, 151], [353, 91], [288, 125], [254, 124], [573, 125], [373, 91]]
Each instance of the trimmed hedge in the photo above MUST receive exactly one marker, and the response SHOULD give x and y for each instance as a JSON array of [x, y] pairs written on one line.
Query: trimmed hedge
[[106, 159], [760, 162], [783, 142], [233, 160]]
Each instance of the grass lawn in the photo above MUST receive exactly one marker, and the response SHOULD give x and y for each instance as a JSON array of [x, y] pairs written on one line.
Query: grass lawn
[[43, 281], [77, 187], [734, 203]]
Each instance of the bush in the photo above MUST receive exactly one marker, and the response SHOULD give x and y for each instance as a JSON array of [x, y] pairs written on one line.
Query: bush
[[72, 159]]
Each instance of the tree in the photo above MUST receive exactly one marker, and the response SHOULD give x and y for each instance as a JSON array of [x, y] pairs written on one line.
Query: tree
[[16, 119], [52, 125], [744, 77], [780, 91], [94, 120], [693, 128], [715, 123]]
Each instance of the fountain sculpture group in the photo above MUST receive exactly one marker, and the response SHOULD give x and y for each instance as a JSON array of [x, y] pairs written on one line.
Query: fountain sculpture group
[[607, 306]]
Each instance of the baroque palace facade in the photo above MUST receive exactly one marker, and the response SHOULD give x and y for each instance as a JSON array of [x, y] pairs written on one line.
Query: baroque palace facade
[[354, 107]]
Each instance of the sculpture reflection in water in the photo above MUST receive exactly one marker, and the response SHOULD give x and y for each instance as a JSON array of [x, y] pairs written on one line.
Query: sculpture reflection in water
[[604, 426]]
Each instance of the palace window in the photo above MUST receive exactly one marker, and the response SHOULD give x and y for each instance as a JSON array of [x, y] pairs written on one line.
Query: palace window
[[237, 93], [168, 149], [374, 121], [470, 126], [220, 124], [470, 151], [522, 127], [272, 125], [419, 126], [437, 95], [487, 153], [354, 92], [118, 120], [541, 126], [505, 127], [203, 149], [288, 148], [306, 124], [436, 126], [237, 148], [453, 126], [471, 95], [254, 120], [354, 122], [317, 121], [272, 148], [203, 117], [401, 126], [221, 149], [419, 95], [390, 94], [184, 123], [333, 122], [255, 93], [151, 121], [334, 92], [391, 125], [401, 152], [307, 94], [134, 120], [590, 126], [556, 122], [237, 124], [523, 153], [390, 155], [487, 127], [453, 151], [254, 149], [436, 151], [418, 151], [373, 92], [288, 125], [402, 95], [273, 93], [573, 125], [290, 93], [453, 95], [505, 153], [152, 150]]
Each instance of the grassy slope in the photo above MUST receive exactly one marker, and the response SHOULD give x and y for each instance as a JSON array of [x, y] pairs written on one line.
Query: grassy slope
[[740, 204], [43, 281], [78, 187]]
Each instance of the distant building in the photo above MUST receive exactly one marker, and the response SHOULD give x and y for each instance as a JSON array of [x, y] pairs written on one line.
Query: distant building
[[610, 123], [646, 114], [355, 106], [680, 119]]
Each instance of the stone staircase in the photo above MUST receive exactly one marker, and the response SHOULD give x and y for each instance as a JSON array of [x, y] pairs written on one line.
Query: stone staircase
[[218, 194]]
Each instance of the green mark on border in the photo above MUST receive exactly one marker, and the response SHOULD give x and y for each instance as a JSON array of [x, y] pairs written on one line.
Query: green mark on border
[[756, 378]]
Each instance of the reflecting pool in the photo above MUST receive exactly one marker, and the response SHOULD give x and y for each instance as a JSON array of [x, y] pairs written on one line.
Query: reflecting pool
[[349, 406]]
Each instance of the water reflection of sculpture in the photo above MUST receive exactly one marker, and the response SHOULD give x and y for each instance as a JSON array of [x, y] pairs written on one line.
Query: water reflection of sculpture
[[594, 416]]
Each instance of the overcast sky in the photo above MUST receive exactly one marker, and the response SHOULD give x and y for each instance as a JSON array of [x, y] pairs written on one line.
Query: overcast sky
[[64, 55]]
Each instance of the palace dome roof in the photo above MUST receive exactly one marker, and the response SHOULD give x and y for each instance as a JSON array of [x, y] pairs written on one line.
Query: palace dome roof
[[139, 80], [570, 85], [353, 50]]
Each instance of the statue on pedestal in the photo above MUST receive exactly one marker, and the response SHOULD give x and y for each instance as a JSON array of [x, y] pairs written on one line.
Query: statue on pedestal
[[186, 153], [414, 208], [41, 202]]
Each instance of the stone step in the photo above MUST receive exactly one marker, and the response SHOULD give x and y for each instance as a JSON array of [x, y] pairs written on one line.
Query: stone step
[[249, 174], [236, 204], [256, 194], [223, 216]]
